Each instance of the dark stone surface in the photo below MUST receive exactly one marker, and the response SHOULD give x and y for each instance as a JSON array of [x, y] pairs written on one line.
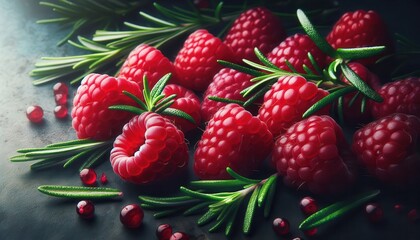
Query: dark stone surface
[[27, 214]]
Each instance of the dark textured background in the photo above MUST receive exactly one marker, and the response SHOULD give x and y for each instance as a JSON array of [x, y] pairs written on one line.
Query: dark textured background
[[27, 214]]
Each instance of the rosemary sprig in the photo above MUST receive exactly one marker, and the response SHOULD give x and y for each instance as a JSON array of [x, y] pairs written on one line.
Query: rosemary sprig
[[206, 198], [76, 192]]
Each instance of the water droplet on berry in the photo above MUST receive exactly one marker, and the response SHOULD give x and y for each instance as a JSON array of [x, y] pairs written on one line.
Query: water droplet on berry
[[60, 99], [164, 232], [413, 215], [60, 111], [60, 88], [308, 205], [104, 179], [85, 209], [35, 113], [131, 216], [179, 236], [88, 176], [281, 226], [374, 212], [311, 232]]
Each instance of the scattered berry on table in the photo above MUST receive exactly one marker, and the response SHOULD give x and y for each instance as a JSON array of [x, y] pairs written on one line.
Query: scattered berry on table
[[85, 209], [413, 215], [281, 226], [164, 231], [308, 205], [311, 232], [60, 111], [374, 212], [398, 208], [61, 88], [88, 176], [35, 113], [179, 236], [131, 216], [60, 99], [104, 178]]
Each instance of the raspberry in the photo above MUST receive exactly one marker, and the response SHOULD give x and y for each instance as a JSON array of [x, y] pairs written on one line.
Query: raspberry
[[233, 138], [91, 116], [227, 83], [287, 100], [401, 96], [361, 29], [147, 61], [314, 155], [187, 102], [196, 63], [295, 49], [149, 148], [254, 28], [388, 148]]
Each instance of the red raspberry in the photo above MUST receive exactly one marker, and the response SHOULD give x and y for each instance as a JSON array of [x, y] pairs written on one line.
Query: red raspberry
[[352, 113], [389, 149], [295, 49], [149, 61], [254, 28], [196, 63], [233, 138], [227, 83], [186, 101], [149, 148], [287, 100], [91, 116], [360, 29], [314, 155], [401, 96]]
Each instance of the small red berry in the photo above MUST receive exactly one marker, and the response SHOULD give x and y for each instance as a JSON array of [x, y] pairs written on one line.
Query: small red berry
[[60, 88], [88, 176], [179, 236], [413, 215], [104, 179], [60, 111], [297, 238], [398, 208], [60, 99], [311, 232], [85, 209], [281, 226], [164, 232], [35, 113], [374, 212], [131, 216], [308, 205]]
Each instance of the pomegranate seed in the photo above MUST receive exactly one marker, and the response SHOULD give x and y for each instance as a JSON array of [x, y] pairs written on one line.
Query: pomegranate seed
[[60, 99], [311, 232], [85, 209], [398, 208], [164, 232], [131, 216], [308, 205], [179, 236], [281, 226], [60, 88], [374, 212], [60, 111], [413, 215], [88, 176], [35, 113], [104, 179]]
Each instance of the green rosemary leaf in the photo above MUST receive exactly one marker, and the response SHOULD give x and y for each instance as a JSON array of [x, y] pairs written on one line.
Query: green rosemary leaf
[[71, 143], [217, 185], [265, 189], [53, 20], [207, 217], [314, 63], [136, 99], [353, 99], [218, 11], [203, 196], [231, 220], [250, 210], [327, 100], [256, 95], [307, 69], [315, 36], [240, 68], [160, 85], [264, 59], [178, 113], [357, 53], [95, 158], [225, 100], [340, 109], [76, 192], [59, 151], [72, 159], [46, 163], [332, 68], [127, 108], [269, 199], [259, 66], [239, 177], [166, 213], [363, 104], [174, 14], [163, 104], [20, 158], [168, 202], [336, 210], [361, 85]]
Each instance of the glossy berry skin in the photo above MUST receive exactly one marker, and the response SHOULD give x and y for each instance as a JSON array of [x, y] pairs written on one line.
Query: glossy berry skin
[[413, 215], [60, 99], [60, 111], [131, 216], [186, 101], [103, 178], [295, 49], [388, 148], [361, 29], [61, 88], [85, 209], [374, 212], [179, 236], [91, 116], [287, 100], [308, 205], [255, 28], [196, 62], [88, 176], [281, 226], [227, 83], [35, 114], [149, 148], [233, 138], [402, 96], [164, 231], [145, 60], [314, 155]]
